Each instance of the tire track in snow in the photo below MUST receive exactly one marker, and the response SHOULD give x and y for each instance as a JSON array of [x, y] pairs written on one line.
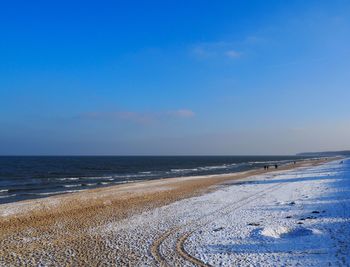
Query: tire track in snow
[[199, 223]]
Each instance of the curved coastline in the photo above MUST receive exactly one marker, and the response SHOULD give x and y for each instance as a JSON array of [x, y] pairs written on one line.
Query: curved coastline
[[182, 187], [55, 220]]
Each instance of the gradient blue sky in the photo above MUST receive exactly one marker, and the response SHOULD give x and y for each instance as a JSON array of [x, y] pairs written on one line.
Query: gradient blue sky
[[174, 77]]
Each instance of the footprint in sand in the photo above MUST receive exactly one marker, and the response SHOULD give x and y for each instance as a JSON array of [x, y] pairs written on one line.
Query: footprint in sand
[[254, 224]]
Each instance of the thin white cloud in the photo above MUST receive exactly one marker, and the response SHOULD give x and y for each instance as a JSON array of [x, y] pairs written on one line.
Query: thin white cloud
[[216, 50], [135, 117], [141, 118], [201, 52], [233, 54], [182, 113], [253, 39], [226, 49]]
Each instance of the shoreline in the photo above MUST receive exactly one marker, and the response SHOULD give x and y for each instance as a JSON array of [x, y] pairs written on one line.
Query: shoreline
[[56, 179], [134, 189], [49, 224]]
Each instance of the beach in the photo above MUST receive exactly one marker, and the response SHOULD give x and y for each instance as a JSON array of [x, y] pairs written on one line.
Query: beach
[[200, 220], [175, 133]]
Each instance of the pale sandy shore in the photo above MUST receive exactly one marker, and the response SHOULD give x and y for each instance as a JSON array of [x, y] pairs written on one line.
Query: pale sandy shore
[[60, 230]]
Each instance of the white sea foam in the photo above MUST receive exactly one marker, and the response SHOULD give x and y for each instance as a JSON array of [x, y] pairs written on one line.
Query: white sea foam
[[47, 193], [6, 196], [68, 179], [72, 185], [183, 170]]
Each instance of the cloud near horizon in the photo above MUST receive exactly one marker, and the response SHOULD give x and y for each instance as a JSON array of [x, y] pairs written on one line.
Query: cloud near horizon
[[141, 118], [182, 113]]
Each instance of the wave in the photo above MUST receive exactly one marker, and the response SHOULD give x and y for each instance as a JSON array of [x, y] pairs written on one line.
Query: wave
[[6, 196], [72, 185], [45, 193], [96, 177], [270, 161], [206, 168], [83, 178], [57, 192], [183, 170], [68, 178], [217, 167], [136, 175]]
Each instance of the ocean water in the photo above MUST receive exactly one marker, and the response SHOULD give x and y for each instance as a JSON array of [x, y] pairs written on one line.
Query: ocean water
[[34, 177]]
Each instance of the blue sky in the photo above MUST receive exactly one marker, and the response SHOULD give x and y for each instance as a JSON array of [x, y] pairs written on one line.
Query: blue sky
[[174, 77]]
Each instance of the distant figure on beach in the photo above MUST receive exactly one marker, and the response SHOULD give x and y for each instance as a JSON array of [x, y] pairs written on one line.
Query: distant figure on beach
[[265, 167], [341, 162], [276, 166], [294, 162]]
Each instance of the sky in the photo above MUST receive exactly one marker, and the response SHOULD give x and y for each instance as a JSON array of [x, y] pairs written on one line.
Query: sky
[[174, 77]]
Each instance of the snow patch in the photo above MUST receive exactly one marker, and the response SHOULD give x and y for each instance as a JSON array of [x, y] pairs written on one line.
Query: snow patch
[[287, 232]]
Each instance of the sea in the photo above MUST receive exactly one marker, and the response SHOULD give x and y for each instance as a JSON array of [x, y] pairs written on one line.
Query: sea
[[28, 177]]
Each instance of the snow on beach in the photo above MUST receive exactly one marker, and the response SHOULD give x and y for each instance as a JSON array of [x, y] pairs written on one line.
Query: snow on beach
[[304, 221], [299, 217]]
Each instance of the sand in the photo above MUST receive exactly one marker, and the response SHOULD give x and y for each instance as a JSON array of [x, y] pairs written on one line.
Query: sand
[[59, 230]]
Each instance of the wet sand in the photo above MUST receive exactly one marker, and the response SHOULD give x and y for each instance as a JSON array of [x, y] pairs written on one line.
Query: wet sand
[[58, 230]]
